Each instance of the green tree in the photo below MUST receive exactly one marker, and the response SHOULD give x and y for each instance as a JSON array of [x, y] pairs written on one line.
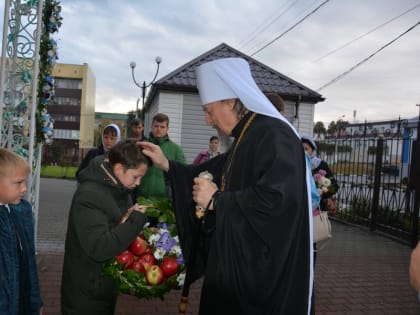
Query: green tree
[[336, 127], [341, 124], [319, 129], [332, 128]]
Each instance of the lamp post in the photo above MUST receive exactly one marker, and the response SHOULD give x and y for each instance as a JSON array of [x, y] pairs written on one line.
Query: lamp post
[[144, 86]]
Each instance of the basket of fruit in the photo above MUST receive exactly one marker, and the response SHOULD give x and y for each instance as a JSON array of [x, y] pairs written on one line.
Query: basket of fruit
[[153, 264]]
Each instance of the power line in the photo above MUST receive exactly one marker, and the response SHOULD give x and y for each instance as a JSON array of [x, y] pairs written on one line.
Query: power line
[[290, 28], [365, 34], [262, 28], [258, 44], [366, 59]]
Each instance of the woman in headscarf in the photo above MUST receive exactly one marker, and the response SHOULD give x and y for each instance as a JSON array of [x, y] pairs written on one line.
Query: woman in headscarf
[[212, 152], [327, 202], [110, 137]]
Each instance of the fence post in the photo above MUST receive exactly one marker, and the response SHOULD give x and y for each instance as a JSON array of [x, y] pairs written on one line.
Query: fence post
[[377, 181], [414, 184]]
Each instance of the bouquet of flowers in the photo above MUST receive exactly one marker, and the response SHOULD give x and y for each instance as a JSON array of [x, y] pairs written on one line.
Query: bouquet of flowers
[[323, 183], [153, 264]]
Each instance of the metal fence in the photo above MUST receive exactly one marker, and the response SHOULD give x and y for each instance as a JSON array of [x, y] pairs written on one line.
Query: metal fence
[[376, 181]]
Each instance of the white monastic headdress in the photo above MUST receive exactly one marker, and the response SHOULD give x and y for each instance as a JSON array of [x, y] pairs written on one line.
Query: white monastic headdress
[[228, 78]]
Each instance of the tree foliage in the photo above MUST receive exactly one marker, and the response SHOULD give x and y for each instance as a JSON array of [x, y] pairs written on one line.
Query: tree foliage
[[336, 127], [319, 129]]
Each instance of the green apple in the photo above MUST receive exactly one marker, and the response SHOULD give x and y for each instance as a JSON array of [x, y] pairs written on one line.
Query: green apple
[[154, 275]]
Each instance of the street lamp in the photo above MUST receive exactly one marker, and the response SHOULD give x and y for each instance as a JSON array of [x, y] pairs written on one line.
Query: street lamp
[[144, 86]]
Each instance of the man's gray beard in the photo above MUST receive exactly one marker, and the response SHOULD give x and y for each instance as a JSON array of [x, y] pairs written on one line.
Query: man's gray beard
[[219, 131]]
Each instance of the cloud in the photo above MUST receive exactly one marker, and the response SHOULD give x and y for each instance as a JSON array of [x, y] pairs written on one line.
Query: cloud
[[108, 35]]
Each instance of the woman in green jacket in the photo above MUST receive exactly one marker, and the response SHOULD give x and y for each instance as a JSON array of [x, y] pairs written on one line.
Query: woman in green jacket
[[94, 232]]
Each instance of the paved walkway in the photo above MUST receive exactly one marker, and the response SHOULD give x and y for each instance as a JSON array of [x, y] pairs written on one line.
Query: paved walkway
[[358, 272]]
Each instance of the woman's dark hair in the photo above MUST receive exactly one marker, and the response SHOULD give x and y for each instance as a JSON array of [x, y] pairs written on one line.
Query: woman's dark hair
[[110, 130], [128, 153], [214, 138]]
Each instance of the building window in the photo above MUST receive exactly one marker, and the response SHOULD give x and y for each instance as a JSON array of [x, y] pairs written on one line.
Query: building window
[[68, 83], [64, 117], [62, 100], [66, 134]]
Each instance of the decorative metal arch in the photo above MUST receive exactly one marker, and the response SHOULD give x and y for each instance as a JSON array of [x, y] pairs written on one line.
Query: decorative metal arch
[[24, 123]]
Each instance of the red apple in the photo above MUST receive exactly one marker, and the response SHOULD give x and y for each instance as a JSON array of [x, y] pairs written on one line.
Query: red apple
[[139, 246], [154, 275], [169, 266], [147, 260], [125, 258], [149, 250], [137, 266]]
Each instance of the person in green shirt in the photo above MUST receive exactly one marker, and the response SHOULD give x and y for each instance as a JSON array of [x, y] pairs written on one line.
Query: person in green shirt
[[154, 182]]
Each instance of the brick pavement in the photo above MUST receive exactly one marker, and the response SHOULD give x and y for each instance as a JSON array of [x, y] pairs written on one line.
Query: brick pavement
[[358, 272]]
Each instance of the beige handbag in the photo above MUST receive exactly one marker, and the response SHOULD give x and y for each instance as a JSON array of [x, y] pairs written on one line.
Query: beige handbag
[[321, 227]]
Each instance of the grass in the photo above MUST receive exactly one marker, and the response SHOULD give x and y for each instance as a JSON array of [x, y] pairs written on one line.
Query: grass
[[59, 171]]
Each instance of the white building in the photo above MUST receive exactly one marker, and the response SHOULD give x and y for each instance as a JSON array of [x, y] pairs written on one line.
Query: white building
[[176, 95]]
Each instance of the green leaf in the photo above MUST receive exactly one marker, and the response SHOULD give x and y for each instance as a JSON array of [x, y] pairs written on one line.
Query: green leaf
[[163, 218], [152, 212]]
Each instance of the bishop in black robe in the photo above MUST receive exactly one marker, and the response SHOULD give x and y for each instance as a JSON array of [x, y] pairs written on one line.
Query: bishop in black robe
[[254, 247]]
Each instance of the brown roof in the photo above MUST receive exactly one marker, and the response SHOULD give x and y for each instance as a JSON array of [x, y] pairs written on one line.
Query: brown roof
[[268, 79]]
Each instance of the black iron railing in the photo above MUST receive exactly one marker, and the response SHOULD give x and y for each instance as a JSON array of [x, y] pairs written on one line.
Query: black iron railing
[[373, 172]]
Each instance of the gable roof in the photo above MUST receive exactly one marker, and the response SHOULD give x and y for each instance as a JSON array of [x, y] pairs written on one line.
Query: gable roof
[[268, 79]]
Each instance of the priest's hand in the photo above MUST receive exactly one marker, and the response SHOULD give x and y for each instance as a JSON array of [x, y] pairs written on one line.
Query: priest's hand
[[155, 153], [203, 190]]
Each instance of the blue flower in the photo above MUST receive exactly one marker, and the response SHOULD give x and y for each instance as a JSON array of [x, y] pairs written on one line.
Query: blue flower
[[166, 242], [180, 260], [163, 225]]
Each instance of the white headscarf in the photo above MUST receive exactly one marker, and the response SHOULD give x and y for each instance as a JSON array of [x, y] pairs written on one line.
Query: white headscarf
[[117, 129], [229, 78]]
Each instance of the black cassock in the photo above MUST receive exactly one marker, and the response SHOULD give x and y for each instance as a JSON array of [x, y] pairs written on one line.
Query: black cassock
[[254, 248]]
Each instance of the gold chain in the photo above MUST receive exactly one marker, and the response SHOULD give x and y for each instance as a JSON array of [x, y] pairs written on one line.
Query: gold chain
[[226, 172]]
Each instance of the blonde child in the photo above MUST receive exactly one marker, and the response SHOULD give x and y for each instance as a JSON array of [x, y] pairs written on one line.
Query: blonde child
[[19, 283]]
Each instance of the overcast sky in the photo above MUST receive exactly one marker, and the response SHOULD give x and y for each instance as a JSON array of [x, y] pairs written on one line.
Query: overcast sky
[[109, 34]]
